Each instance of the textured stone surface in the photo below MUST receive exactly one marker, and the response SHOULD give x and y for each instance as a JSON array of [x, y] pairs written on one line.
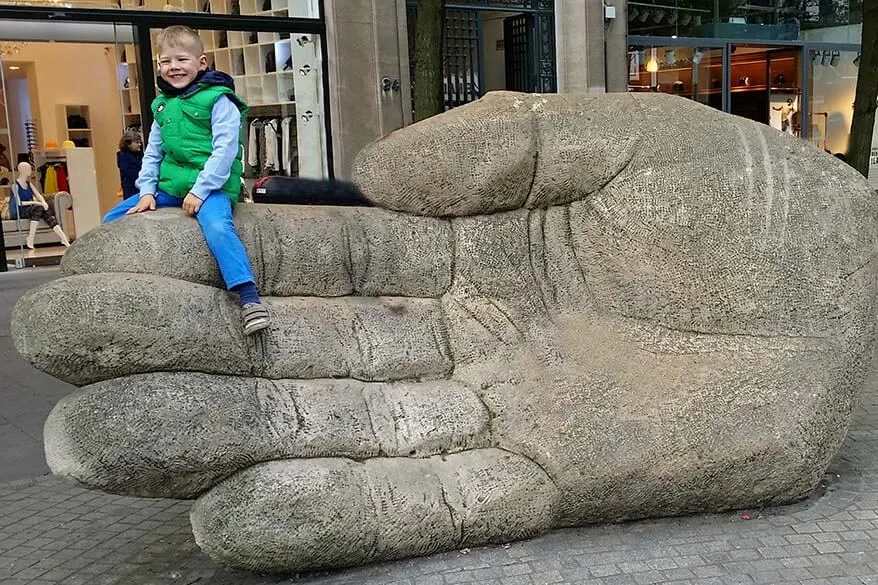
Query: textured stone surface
[[655, 309]]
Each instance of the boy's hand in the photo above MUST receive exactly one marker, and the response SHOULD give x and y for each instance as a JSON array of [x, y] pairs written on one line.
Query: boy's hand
[[146, 203], [191, 204]]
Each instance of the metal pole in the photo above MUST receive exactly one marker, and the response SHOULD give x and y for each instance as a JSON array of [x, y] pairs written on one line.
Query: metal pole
[[3, 260]]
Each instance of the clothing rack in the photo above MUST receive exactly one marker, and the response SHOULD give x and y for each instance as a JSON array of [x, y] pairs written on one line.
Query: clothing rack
[[52, 172], [271, 146], [52, 155]]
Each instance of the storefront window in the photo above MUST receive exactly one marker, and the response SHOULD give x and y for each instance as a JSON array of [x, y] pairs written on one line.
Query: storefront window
[[833, 88], [691, 72], [764, 20], [765, 86], [277, 8]]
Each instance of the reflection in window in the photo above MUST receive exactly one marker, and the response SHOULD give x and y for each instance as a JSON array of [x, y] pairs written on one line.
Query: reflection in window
[[833, 87], [276, 8], [755, 19], [691, 72]]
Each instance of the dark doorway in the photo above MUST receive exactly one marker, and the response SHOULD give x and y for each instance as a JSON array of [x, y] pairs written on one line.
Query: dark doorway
[[518, 38]]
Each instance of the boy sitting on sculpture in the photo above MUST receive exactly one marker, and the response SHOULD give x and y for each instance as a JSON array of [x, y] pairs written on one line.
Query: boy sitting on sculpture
[[193, 160]]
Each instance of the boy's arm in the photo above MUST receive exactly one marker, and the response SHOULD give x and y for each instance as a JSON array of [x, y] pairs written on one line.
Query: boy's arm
[[225, 121], [148, 179]]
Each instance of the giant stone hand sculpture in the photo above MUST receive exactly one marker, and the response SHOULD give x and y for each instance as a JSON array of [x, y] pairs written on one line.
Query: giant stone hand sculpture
[[566, 309]]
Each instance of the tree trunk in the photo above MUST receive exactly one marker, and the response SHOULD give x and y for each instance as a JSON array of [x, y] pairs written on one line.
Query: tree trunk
[[428, 58], [863, 122]]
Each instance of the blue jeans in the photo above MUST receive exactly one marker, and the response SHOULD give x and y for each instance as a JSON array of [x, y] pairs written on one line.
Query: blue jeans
[[215, 219]]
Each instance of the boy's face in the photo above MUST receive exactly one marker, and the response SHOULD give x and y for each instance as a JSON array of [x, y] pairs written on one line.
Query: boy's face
[[179, 66]]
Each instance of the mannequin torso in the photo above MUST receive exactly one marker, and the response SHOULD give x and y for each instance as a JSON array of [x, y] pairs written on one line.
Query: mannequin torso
[[24, 191]]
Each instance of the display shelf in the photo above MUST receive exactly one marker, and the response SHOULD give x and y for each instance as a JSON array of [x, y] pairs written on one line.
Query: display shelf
[[75, 124]]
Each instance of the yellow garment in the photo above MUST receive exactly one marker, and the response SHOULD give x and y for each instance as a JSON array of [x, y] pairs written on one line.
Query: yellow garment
[[51, 181]]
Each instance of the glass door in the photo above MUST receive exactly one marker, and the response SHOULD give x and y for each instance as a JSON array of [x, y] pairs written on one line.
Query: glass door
[[765, 85], [67, 138], [16, 133], [10, 229]]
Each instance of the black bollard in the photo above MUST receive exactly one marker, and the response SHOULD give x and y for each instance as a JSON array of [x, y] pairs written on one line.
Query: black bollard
[[3, 265]]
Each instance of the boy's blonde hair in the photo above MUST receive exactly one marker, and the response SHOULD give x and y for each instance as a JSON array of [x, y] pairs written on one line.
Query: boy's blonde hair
[[181, 37]]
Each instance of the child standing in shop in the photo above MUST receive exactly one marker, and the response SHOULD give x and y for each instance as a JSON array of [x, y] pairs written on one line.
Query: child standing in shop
[[193, 159], [129, 159]]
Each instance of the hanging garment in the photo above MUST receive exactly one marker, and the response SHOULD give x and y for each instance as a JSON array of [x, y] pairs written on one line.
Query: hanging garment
[[51, 181], [286, 159], [253, 150], [272, 162], [61, 176], [41, 176]]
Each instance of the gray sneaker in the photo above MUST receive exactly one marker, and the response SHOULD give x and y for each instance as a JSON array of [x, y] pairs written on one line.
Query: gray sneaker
[[255, 318]]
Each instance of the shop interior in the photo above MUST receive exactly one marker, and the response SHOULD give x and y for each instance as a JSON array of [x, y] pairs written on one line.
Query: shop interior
[[67, 103], [764, 82], [833, 89], [65, 123]]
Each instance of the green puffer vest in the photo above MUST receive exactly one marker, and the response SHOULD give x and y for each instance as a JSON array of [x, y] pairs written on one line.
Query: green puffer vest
[[187, 139]]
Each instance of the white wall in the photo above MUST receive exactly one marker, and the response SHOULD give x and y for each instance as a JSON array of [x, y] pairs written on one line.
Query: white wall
[[494, 59], [19, 108]]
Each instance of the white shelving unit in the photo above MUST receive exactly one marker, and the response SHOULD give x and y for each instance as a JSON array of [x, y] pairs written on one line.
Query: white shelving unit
[[80, 133]]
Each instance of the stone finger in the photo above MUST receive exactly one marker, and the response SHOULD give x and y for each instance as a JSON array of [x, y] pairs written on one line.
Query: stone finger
[[297, 515], [121, 324], [293, 250], [176, 435], [510, 151]]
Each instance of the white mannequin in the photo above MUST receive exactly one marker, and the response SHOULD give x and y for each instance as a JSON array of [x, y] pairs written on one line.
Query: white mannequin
[[23, 182]]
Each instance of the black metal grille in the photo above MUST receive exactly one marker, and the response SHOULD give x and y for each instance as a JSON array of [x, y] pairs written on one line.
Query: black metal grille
[[518, 35], [532, 41], [461, 66]]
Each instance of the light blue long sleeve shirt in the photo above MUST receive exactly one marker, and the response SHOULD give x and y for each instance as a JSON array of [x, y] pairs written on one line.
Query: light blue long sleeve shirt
[[225, 122]]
